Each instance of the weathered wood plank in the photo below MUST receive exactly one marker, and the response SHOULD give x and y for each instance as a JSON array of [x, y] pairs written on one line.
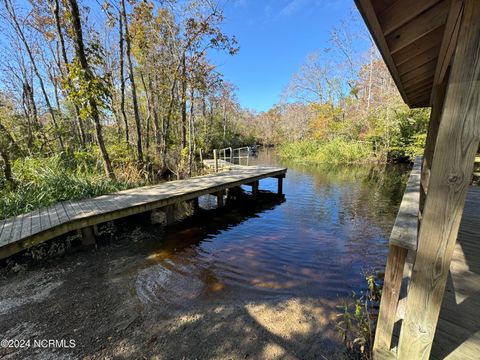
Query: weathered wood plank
[[405, 230], [26, 226], [390, 295], [44, 219], [35, 217], [17, 228], [7, 230], [62, 213], [52, 213], [452, 164]]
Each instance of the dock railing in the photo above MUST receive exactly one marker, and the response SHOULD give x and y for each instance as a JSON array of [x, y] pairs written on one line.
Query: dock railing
[[402, 248], [228, 157]]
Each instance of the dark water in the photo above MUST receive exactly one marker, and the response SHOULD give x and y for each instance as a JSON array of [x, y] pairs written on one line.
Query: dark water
[[331, 227]]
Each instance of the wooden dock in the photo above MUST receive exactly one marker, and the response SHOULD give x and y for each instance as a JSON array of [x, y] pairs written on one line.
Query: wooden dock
[[23, 231]]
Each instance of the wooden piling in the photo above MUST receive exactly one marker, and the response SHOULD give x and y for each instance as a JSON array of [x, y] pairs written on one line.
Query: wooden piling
[[220, 202], [87, 236], [255, 188], [280, 185]]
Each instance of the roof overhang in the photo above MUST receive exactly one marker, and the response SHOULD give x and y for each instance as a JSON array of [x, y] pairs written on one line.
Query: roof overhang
[[416, 39]]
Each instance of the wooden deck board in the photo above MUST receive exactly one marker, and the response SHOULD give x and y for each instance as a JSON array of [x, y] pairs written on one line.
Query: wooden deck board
[[7, 230], [20, 232], [458, 330]]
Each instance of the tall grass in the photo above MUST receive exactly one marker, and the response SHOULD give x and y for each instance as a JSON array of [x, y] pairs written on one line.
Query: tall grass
[[336, 151], [45, 181]]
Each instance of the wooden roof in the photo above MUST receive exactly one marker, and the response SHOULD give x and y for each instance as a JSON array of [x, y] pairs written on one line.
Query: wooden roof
[[416, 39]]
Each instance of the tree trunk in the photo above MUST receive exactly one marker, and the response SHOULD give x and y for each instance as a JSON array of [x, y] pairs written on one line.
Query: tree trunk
[[184, 102], [136, 112], [20, 33], [80, 52], [7, 167], [56, 13], [122, 80]]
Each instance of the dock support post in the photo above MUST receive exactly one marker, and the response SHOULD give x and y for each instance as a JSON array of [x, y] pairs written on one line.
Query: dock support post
[[255, 188], [220, 202], [170, 214], [196, 205], [87, 236], [280, 184]]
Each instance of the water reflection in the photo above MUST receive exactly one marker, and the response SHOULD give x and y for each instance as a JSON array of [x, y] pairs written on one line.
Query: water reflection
[[333, 225]]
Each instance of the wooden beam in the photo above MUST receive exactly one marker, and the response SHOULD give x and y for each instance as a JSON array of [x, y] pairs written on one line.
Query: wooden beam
[[452, 164], [368, 13], [401, 12], [405, 230], [433, 125], [418, 27], [390, 294], [449, 41]]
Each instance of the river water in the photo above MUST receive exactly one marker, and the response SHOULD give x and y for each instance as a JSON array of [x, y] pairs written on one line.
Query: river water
[[330, 229], [258, 279]]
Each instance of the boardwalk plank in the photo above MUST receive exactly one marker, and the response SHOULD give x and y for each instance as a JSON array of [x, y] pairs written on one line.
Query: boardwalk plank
[[44, 219], [27, 225], [7, 230], [17, 228], [52, 214], [36, 226], [62, 213]]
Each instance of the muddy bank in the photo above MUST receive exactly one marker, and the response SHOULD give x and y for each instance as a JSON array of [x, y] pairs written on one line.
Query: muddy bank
[[118, 302]]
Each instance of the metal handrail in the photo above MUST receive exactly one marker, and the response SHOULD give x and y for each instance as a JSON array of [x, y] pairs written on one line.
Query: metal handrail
[[227, 157]]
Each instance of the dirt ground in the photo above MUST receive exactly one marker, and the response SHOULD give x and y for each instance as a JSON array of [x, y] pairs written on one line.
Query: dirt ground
[[116, 305]]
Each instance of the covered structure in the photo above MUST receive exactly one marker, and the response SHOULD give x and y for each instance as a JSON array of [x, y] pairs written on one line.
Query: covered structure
[[432, 49]]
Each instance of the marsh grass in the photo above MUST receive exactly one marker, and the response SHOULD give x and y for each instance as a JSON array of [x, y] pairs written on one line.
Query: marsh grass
[[45, 181], [336, 151]]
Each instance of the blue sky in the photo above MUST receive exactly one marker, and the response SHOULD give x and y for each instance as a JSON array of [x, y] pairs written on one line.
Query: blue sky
[[275, 37]]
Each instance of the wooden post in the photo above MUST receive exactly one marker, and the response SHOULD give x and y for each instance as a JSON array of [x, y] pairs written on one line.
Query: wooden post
[[196, 205], [390, 294], [280, 185], [170, 214], [255, 188], [215, 160], [451, 168], [87, 236], [220, 202]]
